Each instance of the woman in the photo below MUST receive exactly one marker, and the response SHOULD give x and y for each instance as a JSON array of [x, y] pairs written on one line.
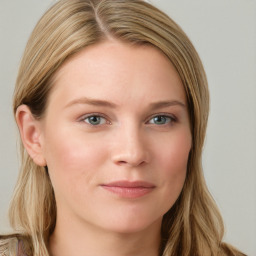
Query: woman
[[112, 103]]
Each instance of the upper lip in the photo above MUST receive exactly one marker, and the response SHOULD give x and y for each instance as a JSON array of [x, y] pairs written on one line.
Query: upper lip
[[130, 184]]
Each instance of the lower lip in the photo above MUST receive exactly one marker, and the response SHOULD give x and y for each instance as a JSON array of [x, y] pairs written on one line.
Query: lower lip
[[129, 192]]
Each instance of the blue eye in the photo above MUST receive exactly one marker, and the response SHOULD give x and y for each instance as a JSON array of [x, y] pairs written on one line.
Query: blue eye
[[95, 120], [160, 120]]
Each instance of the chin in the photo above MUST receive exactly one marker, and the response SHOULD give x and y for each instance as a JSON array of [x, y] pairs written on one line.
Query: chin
[[131, 225]]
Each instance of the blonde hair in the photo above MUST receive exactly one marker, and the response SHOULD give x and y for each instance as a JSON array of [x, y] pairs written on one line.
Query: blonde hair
[[193, 226]]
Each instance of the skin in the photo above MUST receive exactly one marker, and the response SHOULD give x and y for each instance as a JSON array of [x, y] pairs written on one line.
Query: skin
[[132, 136]]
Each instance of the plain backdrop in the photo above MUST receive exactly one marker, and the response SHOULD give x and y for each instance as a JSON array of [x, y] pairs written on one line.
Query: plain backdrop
[[224, 33]]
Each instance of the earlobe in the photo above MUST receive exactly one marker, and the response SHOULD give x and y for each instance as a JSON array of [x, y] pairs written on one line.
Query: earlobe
[[30, 132]]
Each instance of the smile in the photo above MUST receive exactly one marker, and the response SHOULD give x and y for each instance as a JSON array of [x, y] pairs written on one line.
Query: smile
[[127, 189]]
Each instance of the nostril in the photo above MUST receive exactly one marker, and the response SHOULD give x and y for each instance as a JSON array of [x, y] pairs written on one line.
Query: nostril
[[137, 163], [130, 162], [121, 162]]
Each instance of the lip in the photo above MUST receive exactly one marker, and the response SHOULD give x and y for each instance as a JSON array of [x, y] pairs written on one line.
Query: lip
[[128, 189]]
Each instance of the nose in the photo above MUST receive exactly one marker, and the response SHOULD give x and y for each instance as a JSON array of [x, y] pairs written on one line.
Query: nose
[[130, 148]]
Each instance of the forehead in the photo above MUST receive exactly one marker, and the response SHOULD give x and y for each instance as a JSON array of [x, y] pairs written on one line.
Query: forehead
[[118, 69]]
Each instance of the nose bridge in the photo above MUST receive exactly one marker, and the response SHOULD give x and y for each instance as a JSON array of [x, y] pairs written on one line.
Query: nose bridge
[[131, 146]]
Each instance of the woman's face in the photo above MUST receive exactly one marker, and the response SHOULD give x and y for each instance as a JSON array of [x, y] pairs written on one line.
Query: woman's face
[[116, 137]]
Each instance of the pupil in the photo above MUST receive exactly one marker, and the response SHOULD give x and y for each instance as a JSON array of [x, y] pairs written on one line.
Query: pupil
[[160, 119], [94, 119]]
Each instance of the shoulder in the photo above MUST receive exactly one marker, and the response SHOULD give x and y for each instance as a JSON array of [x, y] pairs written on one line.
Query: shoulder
[[8, 245], [13, 245], [229, 250]]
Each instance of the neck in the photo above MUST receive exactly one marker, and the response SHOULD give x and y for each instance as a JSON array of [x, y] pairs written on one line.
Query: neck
[[78, 239]]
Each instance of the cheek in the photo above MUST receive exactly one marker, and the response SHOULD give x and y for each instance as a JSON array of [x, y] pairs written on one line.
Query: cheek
[[72, 159], [174, 151], [173, 157]]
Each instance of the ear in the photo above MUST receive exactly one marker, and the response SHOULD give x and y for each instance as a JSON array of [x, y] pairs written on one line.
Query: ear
[[30, 132]]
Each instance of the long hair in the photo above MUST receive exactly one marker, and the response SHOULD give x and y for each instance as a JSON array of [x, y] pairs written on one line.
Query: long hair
[[193, 226]]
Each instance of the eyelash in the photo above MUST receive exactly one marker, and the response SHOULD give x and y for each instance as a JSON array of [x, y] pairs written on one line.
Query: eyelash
[[172, 118]]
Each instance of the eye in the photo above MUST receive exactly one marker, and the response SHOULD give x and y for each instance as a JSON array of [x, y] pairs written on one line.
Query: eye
[[95, 120], [161, 120]]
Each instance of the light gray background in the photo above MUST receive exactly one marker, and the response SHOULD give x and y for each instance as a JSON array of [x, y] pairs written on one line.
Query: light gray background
[[224, 33]]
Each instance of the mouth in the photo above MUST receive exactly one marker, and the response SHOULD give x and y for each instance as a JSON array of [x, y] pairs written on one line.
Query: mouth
[[128, 189]]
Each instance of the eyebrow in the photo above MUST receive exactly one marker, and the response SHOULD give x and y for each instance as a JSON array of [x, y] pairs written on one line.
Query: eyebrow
[[167, 103], [105, 103], [90, 101]]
